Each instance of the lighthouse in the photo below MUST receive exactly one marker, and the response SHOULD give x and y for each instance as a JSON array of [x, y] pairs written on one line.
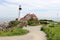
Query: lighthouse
[[19, 12]]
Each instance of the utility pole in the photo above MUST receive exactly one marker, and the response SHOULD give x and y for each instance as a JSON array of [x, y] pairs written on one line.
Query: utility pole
[[19, 12]]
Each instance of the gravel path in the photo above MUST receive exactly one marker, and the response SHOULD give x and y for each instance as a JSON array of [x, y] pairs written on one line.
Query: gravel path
[[34, 34]]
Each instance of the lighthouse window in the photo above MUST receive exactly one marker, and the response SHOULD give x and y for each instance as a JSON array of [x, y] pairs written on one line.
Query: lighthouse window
[[20, 8]]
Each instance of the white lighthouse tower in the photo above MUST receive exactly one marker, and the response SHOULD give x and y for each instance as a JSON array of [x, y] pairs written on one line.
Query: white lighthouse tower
[[19, 12]]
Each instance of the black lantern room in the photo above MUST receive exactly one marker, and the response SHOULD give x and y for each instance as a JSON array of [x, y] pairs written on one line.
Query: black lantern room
[[20, 7]]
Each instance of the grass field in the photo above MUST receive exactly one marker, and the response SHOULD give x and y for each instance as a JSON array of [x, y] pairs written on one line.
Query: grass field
[[52, 31], [14, 32]]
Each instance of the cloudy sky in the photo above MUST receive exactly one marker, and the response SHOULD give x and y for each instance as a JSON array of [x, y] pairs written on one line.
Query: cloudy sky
[[42, 8]]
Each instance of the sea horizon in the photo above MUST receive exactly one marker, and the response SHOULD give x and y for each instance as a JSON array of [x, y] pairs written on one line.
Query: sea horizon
[[11, 18]]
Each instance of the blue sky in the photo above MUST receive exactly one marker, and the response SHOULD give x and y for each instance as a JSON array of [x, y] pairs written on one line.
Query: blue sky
[[42, 8]]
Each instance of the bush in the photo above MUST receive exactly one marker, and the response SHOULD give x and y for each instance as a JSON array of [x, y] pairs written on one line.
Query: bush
[[14, 32], [53, 33], [32, 22], [43, 22], [14, 23], [51, 25]]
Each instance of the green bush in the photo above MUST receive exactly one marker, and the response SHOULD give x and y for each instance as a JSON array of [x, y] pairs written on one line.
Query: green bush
[[52, 25], [43, 22], [14, 23], [53, 33], [32, 22], [14, 32]]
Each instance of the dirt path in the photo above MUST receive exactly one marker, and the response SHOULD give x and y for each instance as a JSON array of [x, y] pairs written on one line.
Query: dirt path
[[34, 34]]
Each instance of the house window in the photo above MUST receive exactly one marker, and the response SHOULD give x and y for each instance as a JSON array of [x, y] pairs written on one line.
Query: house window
[[27, 17]]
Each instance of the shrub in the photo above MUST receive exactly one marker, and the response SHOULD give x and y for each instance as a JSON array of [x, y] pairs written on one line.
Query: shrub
[[43, 22], [33, 22], [51, 26], [16, 31], [53, 33], [13, 23]]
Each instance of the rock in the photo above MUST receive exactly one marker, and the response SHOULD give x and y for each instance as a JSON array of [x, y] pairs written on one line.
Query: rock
[[3, 26]]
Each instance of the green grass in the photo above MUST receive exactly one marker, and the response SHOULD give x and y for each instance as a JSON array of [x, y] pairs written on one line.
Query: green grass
[[14, 32], [53, 32], [33, 24]]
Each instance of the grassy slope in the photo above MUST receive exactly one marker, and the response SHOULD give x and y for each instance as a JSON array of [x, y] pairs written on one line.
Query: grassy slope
[[53, 33], [16, 31]]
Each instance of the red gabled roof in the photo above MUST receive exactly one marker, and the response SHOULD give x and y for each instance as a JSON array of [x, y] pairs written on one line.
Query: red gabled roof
[[24, 19], [31, 15], [28, 15]]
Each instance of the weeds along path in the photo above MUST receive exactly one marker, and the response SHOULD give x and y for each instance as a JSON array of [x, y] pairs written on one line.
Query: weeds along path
[[34, 34]]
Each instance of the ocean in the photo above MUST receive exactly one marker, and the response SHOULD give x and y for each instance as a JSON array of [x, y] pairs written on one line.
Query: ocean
[[9, 19], [6, 19]]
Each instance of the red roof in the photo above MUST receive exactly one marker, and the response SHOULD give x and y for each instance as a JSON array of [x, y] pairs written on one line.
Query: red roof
[[31, 15], [24, 19]]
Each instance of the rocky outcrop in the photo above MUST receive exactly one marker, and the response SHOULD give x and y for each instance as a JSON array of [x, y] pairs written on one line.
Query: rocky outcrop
[[3, 26]]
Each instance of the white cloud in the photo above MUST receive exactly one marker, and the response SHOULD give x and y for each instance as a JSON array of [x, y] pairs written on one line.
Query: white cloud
[[35, 4], [30, 5], [13, 1]]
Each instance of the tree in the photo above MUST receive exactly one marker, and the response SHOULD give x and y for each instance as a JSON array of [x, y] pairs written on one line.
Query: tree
[[33, 22], [13, 23]]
